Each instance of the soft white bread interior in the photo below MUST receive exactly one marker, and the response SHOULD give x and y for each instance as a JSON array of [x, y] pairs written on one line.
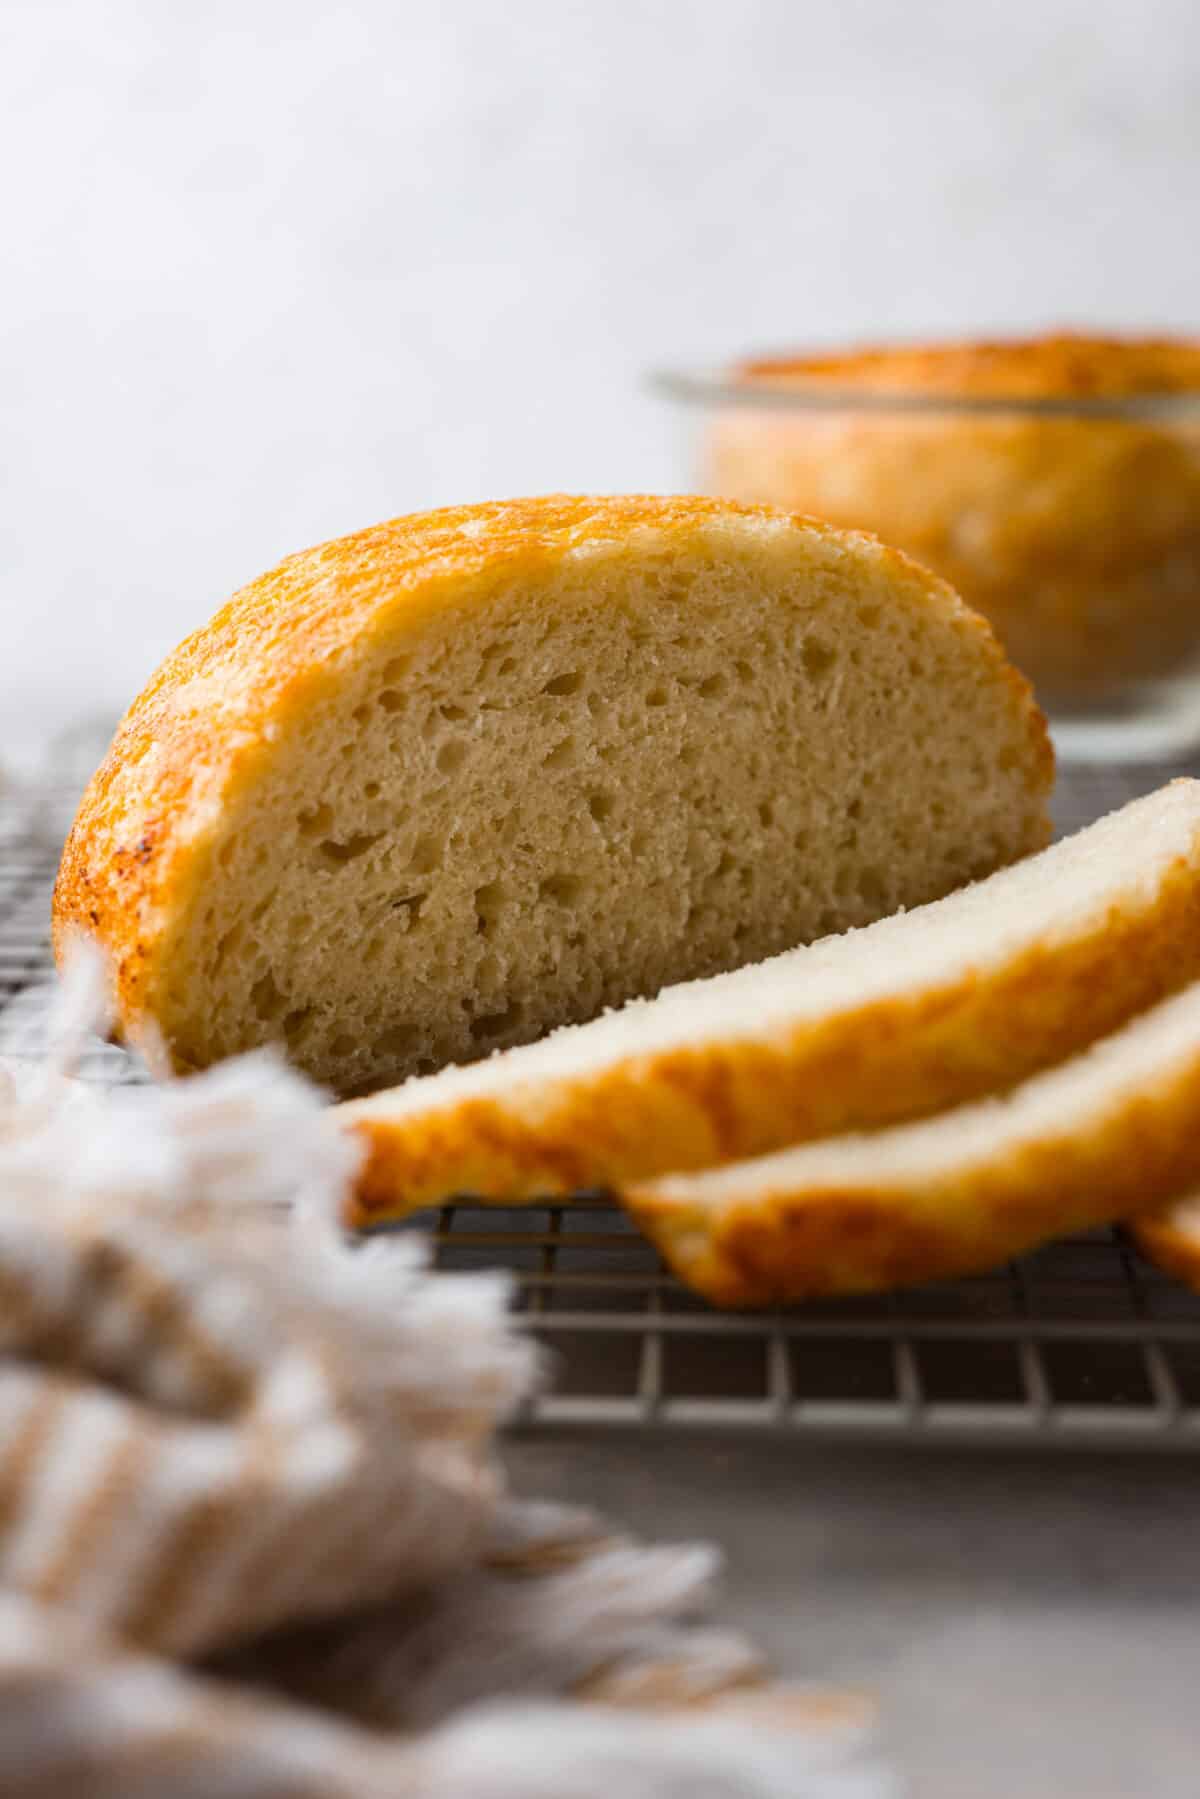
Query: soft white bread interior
[[446, 784], [917, 1012], [1112, 1133]]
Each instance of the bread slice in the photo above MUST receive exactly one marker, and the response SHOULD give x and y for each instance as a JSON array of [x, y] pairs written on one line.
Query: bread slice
[[918, 1012], [1170, 1237], [444, 785], [1114, 1132]]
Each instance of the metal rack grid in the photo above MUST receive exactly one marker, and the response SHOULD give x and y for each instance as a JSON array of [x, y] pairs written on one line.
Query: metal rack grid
[[1081, 1343]]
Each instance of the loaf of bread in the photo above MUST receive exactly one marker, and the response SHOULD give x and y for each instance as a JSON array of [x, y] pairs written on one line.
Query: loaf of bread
[[1109, 1134], [920, 1011], [444, 785], [1077, 535]]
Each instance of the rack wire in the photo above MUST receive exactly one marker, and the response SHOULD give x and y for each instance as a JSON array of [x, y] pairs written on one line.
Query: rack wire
[[1081, 1343]]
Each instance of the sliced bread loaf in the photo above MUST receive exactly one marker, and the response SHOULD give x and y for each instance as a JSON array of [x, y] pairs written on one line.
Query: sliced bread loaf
[[1112, 1133], [917, 1012], [444, 785]]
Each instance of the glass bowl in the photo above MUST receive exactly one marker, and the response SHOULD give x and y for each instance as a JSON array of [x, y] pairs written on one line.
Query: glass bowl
[[1071, 518]]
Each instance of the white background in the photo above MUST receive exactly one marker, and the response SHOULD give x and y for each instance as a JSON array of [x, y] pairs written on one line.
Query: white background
[[276, 270]]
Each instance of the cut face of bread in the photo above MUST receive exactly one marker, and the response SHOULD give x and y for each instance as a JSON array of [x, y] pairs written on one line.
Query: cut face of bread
[[1170, 1237], [1112, 1133], [917, 1012], [467, 776]]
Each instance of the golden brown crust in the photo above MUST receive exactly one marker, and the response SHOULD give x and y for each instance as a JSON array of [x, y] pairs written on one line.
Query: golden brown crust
[[725, 1099], [204, 727], [1170, 1238], [1064, 364], [775, 1242], [1077, 536]]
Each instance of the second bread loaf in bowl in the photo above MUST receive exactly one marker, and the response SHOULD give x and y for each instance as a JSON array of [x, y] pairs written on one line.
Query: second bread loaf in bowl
[[436, 788]]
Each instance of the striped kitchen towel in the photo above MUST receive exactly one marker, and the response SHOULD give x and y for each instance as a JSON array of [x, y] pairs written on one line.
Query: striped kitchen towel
[[255, 1537]]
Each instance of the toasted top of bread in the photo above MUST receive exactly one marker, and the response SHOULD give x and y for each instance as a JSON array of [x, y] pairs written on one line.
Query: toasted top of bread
[[1112, 1132], [442, 785], [916, 1012], [1064, 364]]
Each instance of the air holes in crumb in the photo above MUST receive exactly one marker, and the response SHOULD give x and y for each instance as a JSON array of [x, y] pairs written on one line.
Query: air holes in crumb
[[639, 843], [561, 756], [872, 887], [426, 854], [817, 658], [392, 700], [508, 666], [657, 696], [295, 1022], [317, 822], [497, 1024], [743, 671], [600, 806], [343, 1045], [352, 847], [869, 616], [398, 1040], [713, 686], [360, 715], [393, 668], [563, 889], [372, 790], [451, 756], [265, 997], [489, 903], [571, 682], [766, 814], [854, 809], [453, 714], [229, 941], [407, 906], [263, 905]]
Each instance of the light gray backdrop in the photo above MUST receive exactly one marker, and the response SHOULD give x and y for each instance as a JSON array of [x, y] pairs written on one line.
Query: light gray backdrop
[[275, 270]]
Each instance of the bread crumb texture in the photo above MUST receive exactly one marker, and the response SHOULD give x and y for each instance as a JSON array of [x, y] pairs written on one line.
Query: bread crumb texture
[[438, 787]]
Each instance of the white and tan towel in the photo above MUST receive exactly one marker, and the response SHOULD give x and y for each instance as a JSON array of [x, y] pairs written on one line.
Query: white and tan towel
[[255, 1538]]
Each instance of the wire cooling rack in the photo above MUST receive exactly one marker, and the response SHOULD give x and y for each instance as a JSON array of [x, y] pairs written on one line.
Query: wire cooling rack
[[1081, 1343]]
